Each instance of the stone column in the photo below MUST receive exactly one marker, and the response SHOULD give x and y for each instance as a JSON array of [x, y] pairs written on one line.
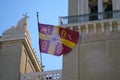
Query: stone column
[[94, 28], [110, 25], [102, 27], [118, 26], [100, 9], [79, 29], [73, 7], [86, 6], [83, 9], [115, 4], [71, 28], [86, 26], [60, 20]]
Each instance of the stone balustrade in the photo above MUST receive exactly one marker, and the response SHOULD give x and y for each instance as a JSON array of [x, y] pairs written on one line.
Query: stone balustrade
[[96, 30], [46, 75]]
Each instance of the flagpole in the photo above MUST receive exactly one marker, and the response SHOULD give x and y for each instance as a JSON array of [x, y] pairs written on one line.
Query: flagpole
[[39, 42]]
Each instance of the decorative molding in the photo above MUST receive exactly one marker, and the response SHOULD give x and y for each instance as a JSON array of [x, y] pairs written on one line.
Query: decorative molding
[[99, 30], [46, 75], [21, 30]]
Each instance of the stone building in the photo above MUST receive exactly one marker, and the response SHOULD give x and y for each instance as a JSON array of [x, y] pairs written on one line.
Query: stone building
[[97, 54], [16, 53]]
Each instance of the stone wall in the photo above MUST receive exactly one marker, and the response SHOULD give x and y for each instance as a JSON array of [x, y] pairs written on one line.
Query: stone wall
[[99, 60], [16, 53], [10, 61], [97, 54]]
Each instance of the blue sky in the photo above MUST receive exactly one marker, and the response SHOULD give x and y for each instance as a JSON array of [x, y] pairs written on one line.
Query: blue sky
[[49, 11]]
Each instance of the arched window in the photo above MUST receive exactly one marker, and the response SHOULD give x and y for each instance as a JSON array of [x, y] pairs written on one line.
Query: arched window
[[107, 5], [96, 6], [93, 9]]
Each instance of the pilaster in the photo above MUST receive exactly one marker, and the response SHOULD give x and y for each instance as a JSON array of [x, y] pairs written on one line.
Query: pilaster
[[86, 26], [94, 25], [118, 25], [79, 29], [102, 27], [100, 8], [110, 25]]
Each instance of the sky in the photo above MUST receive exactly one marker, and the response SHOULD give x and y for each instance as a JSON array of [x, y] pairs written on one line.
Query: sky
[[49, 11]]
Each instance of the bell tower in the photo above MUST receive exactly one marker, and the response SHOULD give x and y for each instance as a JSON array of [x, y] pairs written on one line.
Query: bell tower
[[97, 54]]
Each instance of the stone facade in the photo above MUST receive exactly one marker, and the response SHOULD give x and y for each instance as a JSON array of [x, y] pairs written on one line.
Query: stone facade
[[16, 54], [97, 54]]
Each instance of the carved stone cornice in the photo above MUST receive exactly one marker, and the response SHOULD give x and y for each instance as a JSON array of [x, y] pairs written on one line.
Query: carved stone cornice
[[21, 30]]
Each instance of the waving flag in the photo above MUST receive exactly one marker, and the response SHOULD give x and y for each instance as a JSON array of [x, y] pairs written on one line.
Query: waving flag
[[56, 40]]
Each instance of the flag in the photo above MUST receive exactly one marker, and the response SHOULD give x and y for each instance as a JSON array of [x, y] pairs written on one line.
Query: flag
[[56, 40]]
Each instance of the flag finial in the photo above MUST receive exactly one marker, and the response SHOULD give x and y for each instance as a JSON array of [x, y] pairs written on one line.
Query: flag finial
[[37, 17]]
